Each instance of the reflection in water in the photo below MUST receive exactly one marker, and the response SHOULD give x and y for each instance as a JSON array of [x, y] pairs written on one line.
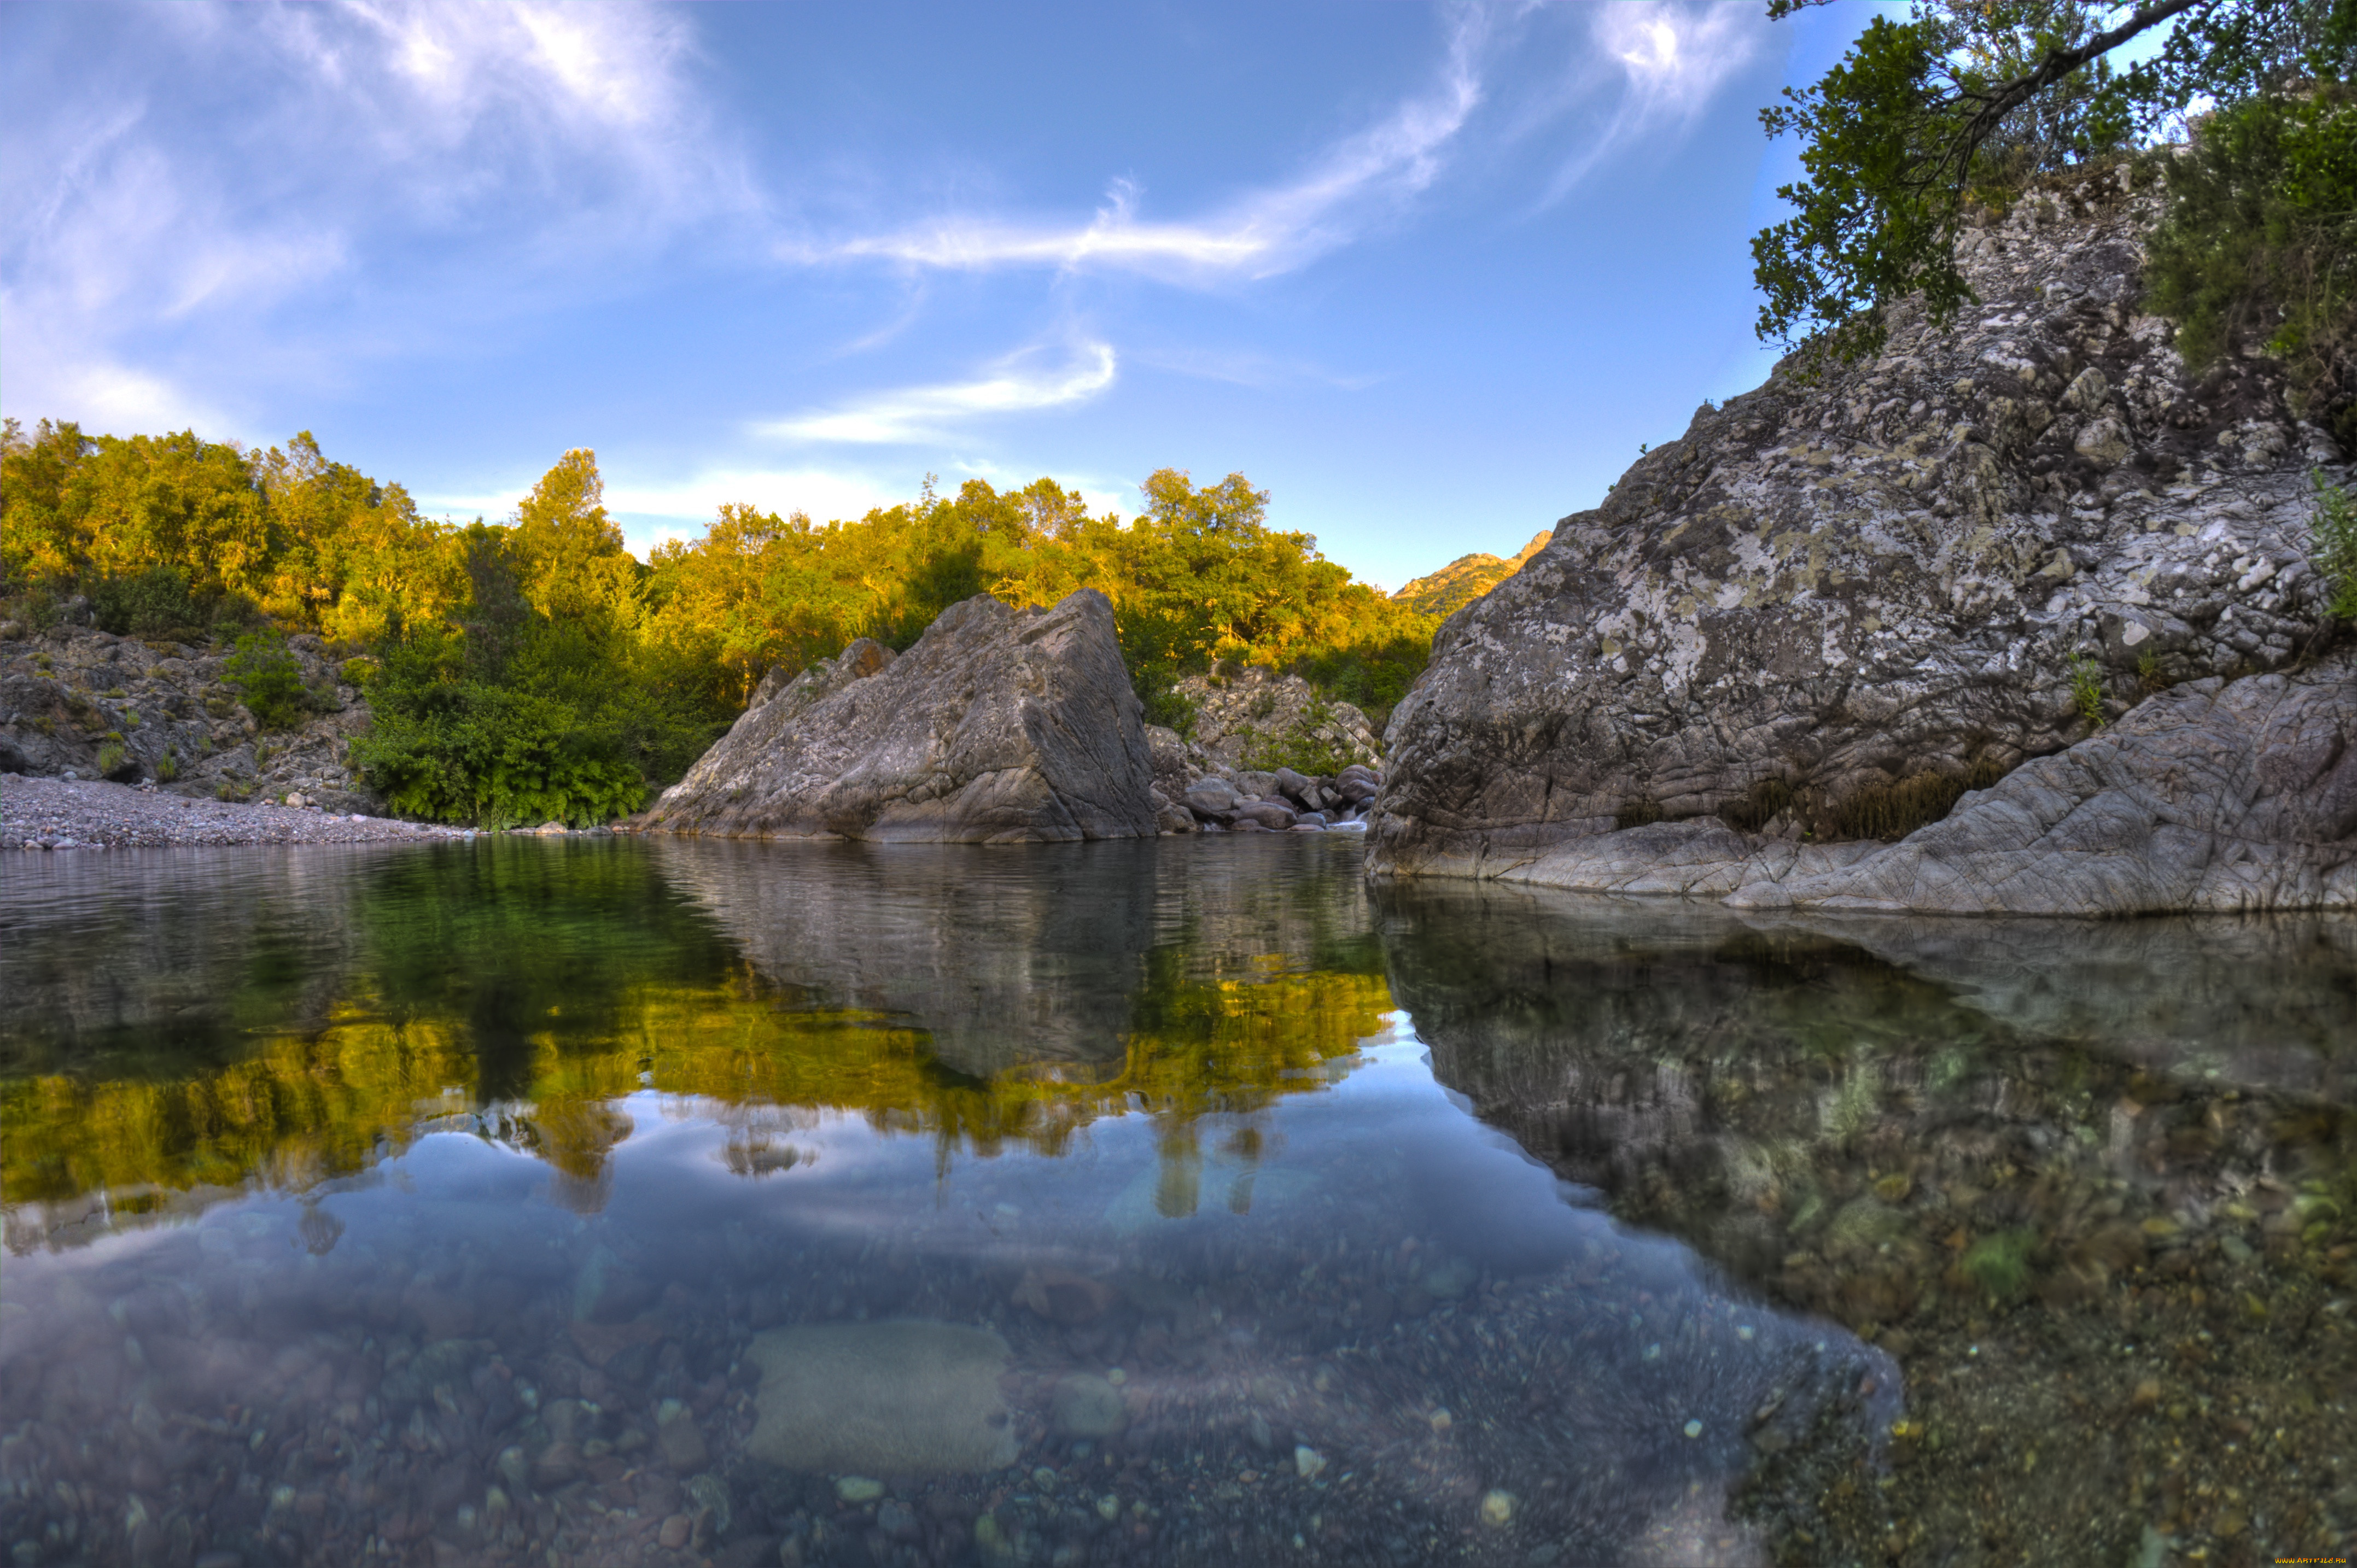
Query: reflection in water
[[2091, 1184], [607, 1202]]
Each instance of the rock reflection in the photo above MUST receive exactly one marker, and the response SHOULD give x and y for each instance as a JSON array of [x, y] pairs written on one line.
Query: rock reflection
[[157, 1057], [2090, 1182]]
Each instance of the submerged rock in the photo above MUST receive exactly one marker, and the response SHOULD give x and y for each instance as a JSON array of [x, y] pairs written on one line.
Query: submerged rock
[[999, 726], [902, 1398], [1836, 608]]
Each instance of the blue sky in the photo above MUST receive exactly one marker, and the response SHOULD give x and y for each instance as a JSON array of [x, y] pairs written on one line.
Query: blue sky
[[1428, 274]]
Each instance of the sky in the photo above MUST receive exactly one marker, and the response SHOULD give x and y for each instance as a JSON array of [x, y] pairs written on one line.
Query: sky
[[1429, 275]]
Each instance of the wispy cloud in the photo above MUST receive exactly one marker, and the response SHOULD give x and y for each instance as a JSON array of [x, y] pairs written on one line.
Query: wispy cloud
[[920, 414], [1365, 180], [1651, 69], [217, 164]]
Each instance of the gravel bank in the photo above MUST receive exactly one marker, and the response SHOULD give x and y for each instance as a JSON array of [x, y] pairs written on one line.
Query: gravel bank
[[58, 813]]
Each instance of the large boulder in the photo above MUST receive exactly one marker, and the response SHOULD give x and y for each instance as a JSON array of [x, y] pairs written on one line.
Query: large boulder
[[1000, 726], [1837, 606]]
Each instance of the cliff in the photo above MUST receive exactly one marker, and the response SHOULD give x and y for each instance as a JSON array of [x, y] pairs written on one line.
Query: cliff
[[1837, 611]]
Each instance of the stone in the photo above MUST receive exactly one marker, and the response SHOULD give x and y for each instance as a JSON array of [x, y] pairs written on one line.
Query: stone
[[1497, 1509], [1273, 815], [1170, 817], [546, 829], [999, 726], [902, 1397], [858, 1489], [1085, 1405], [674, 1532], [1062, 1297], [1837, 611], [1213, 798], [1307, 1462], [679, 1439]]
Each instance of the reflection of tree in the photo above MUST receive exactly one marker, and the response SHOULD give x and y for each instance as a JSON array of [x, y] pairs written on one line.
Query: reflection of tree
[[580, 978]]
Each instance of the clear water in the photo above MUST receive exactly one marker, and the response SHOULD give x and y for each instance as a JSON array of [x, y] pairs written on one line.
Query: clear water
[[478, 1204]]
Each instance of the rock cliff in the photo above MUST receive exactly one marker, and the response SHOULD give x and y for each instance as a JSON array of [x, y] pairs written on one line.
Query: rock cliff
[[999, 726], [1834, 608], [77, 702]]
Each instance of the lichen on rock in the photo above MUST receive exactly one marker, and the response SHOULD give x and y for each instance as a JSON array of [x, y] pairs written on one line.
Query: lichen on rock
[[1838, 606], [999, 726]]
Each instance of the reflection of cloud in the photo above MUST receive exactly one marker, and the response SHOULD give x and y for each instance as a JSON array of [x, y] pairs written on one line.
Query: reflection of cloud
[[920, 414], [1360, 180]]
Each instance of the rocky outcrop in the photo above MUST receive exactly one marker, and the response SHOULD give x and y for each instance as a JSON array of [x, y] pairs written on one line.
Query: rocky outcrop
[[1256, 718], [76, 701], [1835, 608], [999, 726]]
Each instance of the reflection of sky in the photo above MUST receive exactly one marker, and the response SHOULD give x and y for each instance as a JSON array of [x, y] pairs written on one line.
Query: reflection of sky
[[1381, 1166]]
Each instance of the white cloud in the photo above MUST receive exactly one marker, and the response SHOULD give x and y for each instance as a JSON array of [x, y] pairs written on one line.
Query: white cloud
[[1360, 181], [214, 166], [925, 413], [1669, 60]]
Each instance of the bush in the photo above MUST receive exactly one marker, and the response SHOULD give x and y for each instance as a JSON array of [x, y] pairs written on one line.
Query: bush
[[2335, 528], [467, 752], [156, 603], [269, 679], [2259, 246]]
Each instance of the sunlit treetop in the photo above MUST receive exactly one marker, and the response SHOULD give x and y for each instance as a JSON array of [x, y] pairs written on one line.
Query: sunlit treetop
[[1963, 99]]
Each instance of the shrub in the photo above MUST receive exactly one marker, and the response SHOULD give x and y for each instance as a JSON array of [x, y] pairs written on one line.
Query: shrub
[[155, 603], [112, 756], [2087, 689], [1999, 1264], [167, 767], [2335, 528], [269, 679], [2259, 246], [467, 752]]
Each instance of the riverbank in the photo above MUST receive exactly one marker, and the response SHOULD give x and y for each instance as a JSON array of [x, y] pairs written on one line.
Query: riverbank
[[87, 813]]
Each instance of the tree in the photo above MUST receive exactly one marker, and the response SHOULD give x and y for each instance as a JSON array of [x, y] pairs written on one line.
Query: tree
[[1920, 112]]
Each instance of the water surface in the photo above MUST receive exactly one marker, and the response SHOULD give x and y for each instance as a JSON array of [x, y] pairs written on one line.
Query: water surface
[[481, 1203]]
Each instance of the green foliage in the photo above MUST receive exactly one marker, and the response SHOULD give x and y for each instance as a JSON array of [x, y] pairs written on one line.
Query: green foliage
[[1298, 749], [2087, 689], [2335, 550], [111, 755], [1965, 95], [153, 602], [2259, 246], [269, 679], [167, 767], [1999, 1264]]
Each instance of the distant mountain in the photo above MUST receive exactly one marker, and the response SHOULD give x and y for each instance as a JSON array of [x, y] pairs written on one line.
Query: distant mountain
[[1466, 578]]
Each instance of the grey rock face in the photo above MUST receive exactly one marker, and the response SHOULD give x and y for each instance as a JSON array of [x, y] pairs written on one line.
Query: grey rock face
[[999, 726], [2217, 796], [1238, 716], [69, 692], [1831, 607]]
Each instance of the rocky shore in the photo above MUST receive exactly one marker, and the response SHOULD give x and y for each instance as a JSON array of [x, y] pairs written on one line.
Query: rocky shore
[[1840, 608], [55, 815]]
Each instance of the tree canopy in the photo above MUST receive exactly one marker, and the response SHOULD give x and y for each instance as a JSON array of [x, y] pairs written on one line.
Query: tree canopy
[[534, 668], [1965, 97]]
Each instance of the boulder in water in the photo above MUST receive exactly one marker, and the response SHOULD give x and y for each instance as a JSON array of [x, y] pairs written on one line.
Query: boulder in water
[[901, 1398], [1000, 726]]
